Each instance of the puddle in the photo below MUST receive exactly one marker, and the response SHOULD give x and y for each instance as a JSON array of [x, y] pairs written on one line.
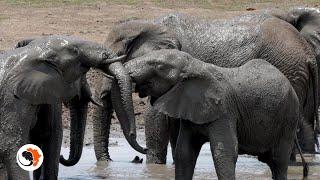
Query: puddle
[[120, 168]]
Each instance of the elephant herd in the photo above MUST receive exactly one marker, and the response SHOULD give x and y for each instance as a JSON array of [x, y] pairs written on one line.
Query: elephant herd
[[246, 85]]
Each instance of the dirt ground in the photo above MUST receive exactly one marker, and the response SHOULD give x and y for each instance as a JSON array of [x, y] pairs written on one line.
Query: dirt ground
[[93, 20]]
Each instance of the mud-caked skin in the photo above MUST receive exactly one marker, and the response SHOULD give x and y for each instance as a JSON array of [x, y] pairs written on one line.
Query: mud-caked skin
[[226, 43], [35, 78], [252, 109], [307, 22]]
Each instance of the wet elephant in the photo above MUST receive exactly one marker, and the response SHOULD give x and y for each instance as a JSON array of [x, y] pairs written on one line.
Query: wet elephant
[[35, 79], [251, 109], [226, 43]]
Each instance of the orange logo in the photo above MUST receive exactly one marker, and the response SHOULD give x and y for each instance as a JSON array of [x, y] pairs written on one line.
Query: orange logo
[[35, 155], [29, 157]]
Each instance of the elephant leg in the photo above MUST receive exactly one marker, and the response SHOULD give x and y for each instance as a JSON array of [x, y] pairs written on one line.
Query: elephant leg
[[3, 171], [277, 159], [266, 158], [174, 132], [307, 137], [280, 160], [13, 169], [37, 173], [40, 133], [224, 148], [101, 123], [157, 136], [52, 146], [187, 151]]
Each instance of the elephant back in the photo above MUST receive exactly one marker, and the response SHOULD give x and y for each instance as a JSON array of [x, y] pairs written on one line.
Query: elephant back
[[261, 86]]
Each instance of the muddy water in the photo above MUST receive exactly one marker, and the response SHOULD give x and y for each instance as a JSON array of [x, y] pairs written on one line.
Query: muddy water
[[120, 168]]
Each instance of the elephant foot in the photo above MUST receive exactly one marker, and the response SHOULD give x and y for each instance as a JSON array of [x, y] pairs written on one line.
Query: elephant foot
[[154, 159], [105, 159], [3, 172]]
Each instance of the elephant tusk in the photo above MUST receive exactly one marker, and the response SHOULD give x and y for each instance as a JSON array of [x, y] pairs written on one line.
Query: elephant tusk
[[113, 60], [95, 102], [105, 74]]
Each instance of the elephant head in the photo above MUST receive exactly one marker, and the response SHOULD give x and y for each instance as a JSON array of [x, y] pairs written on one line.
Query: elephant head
[[133, 39], [136, 38], [53, 68], [175, 78]]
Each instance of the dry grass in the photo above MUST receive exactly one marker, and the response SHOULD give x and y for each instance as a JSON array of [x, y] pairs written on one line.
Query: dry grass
[[45, 3], [230, 5]]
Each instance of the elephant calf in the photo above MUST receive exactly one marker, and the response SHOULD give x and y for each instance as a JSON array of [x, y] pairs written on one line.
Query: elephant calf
[[252, 109]]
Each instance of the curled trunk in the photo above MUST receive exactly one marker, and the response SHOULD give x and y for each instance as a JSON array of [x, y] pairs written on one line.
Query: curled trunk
[[78, 114]]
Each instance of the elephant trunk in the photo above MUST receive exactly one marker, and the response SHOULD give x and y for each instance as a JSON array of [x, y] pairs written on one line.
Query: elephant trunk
[[78, 114], [122, 101]]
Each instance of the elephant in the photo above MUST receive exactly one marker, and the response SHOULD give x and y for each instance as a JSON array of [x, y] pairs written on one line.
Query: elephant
[[226, 43], [307, 22], [252, 109], [78, 114], [35, 79]]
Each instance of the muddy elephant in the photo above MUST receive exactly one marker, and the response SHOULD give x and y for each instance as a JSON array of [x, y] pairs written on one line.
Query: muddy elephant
[[226, 43], [251, 109], [78, 107], [34, 81], [307, 22]]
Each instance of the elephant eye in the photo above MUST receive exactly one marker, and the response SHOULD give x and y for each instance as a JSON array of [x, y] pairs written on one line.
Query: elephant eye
[[53, 65], [50, 63], [161, 67]]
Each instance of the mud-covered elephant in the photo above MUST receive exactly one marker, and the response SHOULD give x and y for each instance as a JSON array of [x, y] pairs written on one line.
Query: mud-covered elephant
[[78, 107], [226, 43], [307, 22], [251, 109], [34, 81]]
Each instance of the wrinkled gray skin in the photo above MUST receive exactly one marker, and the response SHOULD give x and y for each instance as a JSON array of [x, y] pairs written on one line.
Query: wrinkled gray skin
[[252, 109], [307, 22], [34, 80], [226, 43], [78, 111]]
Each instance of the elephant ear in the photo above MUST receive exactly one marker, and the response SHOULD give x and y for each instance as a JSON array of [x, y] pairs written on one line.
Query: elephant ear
[[306, 21], [40, 83], [198, 100]]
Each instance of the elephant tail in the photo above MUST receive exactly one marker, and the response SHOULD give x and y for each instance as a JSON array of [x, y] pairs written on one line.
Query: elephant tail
[[304, 163]]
